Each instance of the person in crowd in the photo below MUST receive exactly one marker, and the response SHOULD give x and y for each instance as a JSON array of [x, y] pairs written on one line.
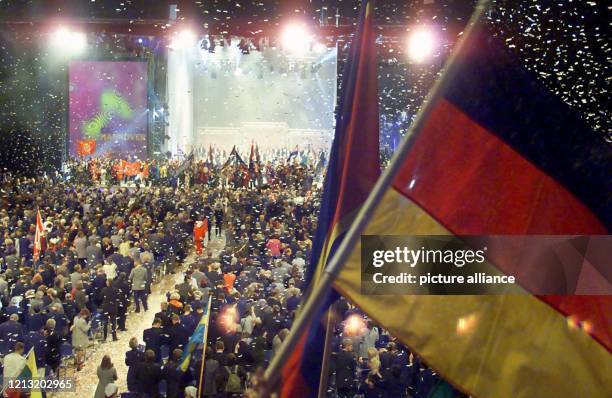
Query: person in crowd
[[80, 337], [52, 353], [149, 375], [176, 379], [189, 319], [344, 363], [12, 367], [107, 374], [191, 392], [178, 334], [123, 289], [372, 385], [110, 308], [139, 277], [164, 316], [36, 340], [133, 359], [233, 378], [154, 338], [212, 371], [11, 331], [278, 340]]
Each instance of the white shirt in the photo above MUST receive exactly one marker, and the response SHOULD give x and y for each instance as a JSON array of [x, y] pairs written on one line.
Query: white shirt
[[110, 269], [13, 365]]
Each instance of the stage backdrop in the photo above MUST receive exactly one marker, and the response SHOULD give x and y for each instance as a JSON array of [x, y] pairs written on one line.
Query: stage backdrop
[[108, 109], [275, 98]]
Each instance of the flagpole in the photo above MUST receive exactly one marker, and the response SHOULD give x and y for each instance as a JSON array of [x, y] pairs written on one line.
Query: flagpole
[[329, 331], [317, 298], [204, 348]]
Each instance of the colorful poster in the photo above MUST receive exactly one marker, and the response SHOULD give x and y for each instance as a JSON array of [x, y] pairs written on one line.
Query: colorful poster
[[108, 109]]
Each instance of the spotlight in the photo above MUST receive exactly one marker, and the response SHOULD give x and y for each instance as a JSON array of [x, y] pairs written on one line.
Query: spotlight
[[238, 71], [184, 39], [140, 40], [296, 38], [421, 45], [66, 41], [354, 325]]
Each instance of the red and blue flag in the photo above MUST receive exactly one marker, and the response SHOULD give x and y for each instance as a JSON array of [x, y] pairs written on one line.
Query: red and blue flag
[[352, 171]]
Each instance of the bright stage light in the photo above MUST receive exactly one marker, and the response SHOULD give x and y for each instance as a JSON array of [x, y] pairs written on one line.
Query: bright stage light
[[354, 325], [184, 39], [69, 42], [421, 45], [296, 38]]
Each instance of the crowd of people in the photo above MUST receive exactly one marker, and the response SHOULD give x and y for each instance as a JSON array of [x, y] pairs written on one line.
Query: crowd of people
[[105, 244]]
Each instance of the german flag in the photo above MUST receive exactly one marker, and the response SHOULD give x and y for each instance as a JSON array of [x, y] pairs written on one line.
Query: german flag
[[495, 152]]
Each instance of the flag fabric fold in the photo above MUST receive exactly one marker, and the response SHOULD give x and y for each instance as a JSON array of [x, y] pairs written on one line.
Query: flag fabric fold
[[38, 237]]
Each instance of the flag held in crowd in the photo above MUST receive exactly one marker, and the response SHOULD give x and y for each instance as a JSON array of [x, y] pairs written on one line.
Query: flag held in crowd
[[197, 338], [38, 237]]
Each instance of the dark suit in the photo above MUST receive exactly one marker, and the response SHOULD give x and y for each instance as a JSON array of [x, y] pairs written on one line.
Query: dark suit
[[176, 379], [35, 322], [154, 338], [165, 319], [133, 359], [110, 306], [244, 354], [52, 355], [179, 335], [123, 288], [10, 333], [344, 364], [148, 376]]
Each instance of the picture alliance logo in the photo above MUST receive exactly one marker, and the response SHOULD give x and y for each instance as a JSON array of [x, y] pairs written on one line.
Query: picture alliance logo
[[412, 257]]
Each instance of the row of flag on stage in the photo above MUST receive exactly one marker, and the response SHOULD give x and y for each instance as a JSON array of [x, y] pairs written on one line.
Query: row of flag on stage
[[493, 152]]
